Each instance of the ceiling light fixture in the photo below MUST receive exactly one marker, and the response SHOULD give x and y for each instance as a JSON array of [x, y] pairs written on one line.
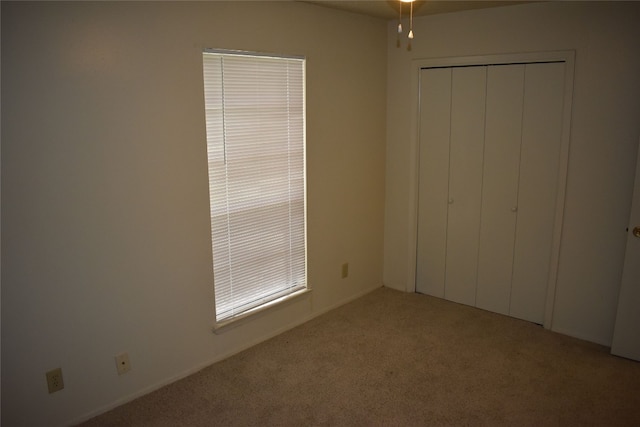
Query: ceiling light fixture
[[410, 35]]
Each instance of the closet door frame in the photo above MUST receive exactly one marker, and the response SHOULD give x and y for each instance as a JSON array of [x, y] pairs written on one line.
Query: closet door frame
[[568, 57]]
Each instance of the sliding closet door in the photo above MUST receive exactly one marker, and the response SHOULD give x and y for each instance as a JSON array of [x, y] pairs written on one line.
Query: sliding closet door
[[503, 128], [435, 114], [539, 166]]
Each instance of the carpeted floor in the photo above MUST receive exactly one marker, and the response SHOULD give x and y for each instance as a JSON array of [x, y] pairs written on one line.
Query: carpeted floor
[[397, 359]]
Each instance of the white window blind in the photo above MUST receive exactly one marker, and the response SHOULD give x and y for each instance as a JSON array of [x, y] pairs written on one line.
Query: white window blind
[[255, 114]]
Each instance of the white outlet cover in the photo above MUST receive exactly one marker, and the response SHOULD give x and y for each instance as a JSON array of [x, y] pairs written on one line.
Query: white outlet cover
[[123, 365]]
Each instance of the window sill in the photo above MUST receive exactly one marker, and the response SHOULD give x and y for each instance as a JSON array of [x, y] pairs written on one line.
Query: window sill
[[226, 325]]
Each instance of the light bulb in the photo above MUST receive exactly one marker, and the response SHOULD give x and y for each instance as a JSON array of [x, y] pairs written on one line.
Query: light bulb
[[399, 28], [410, 34]]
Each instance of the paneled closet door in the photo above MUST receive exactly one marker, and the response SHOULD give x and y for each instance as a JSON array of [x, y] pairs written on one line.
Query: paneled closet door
[[450, 181], [539, 168], [465, 182], [490, 140], [435, 116], [503, 130]]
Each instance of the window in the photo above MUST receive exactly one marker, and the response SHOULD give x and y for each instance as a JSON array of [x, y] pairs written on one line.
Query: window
[[255, 113]]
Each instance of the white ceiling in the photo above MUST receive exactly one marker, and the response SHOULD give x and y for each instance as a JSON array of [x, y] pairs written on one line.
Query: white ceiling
[[388, 9]]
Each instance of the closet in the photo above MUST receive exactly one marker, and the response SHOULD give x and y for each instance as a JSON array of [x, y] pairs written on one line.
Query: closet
[[489, 153]]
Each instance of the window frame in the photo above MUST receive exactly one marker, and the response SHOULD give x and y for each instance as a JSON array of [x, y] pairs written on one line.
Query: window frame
[[301, 290]]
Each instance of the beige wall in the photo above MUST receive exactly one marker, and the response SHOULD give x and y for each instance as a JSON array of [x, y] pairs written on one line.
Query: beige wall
[[105, 241], [605, 126]]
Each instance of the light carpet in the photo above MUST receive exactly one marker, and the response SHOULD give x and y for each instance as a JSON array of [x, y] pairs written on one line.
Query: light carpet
[[396, 359]]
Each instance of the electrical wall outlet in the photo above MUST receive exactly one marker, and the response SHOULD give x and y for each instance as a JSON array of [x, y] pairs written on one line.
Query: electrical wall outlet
[[123, 365], [54, 380], [345, 270]]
